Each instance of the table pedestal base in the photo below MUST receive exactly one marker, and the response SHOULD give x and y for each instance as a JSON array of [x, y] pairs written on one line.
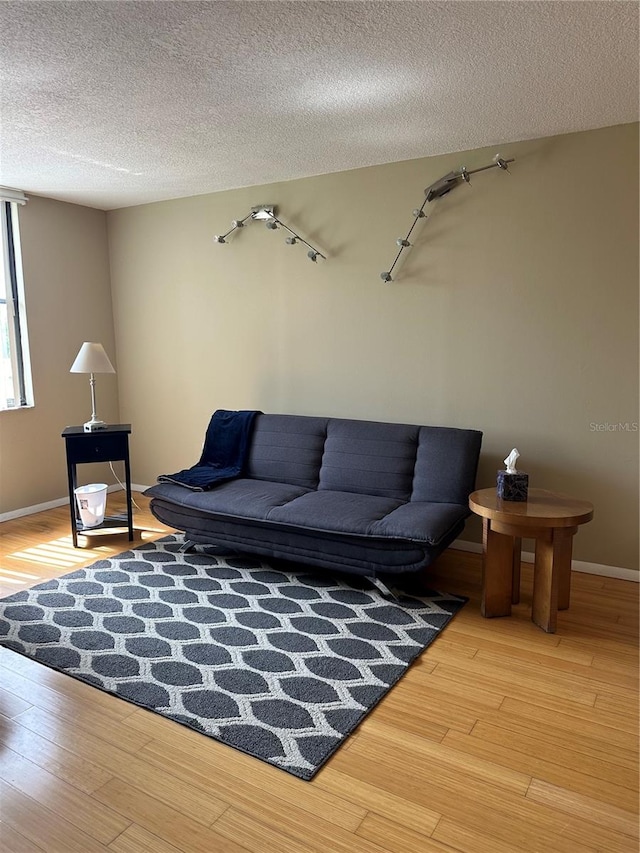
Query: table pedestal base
[[501, 570]]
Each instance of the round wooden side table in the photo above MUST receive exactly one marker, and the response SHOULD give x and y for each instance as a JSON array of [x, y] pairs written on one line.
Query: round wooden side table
[[551, 519]]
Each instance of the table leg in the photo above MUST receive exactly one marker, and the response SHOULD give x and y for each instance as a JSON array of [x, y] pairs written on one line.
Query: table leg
[[71, 476], [515, 582], [544, 611], [563, 548], [497, 572], [127, 480]]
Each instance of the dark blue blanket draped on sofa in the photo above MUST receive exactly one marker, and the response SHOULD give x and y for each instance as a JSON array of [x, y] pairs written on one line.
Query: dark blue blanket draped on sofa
[[224, 453]]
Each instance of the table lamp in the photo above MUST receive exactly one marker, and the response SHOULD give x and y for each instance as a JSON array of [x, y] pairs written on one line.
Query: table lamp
[[92, 359]]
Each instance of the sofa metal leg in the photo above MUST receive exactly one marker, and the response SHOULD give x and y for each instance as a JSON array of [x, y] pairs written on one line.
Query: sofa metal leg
[[384, 589], [187, 546]]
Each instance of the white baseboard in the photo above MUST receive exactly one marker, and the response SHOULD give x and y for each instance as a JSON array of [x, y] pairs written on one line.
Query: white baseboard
[[576, 565], [32, 510]]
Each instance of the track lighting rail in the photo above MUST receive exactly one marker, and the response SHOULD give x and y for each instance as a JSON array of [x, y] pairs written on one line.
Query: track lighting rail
[[267, 213], [435, 191]]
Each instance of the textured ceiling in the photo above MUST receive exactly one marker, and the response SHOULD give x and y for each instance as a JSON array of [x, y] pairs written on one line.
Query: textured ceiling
[[111, 104]]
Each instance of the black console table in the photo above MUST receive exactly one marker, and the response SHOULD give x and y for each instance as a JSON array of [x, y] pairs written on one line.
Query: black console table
[[106, 445]]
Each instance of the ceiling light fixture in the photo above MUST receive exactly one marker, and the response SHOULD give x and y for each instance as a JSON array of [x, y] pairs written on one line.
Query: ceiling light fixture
[[267, 213], [435, 191]]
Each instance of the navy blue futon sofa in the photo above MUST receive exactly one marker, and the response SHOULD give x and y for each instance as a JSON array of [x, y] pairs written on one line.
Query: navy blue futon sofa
[[356, 496]]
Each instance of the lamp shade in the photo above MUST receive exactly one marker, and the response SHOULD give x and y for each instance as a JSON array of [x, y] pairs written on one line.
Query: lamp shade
[[92, 359]]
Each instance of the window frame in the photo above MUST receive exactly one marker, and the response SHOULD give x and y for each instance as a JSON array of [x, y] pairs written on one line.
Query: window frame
[[13, 298]]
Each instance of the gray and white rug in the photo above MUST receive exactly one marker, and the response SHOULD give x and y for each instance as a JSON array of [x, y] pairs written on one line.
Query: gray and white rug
[[280, 664]]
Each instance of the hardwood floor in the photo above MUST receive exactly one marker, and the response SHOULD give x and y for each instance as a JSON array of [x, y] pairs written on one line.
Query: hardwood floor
[[499, 739]]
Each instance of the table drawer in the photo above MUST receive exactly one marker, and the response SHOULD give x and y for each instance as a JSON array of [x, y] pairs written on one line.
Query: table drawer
[[96, 448]]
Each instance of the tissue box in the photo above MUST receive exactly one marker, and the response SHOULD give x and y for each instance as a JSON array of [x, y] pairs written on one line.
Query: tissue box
[[513, 487]]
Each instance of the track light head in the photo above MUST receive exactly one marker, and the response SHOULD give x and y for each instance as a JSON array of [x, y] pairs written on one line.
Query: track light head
[[386, 276], [271, 224], [402, 243], [312, 255], [291, 241], [218, 238], [419, 214], [237, 223]]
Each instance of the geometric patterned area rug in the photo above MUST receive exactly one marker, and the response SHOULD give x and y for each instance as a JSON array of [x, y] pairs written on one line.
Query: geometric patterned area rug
[[280, 664]]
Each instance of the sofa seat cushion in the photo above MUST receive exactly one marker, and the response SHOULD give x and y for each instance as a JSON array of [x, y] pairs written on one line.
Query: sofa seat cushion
[[337, 551], [242, 498], [339, 512], [324, 510], [421, 522]]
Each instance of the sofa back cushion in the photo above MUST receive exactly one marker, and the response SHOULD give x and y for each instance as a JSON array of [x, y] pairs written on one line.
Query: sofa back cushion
[[446, 464], [287, 449], [369, 458], [400, 461]]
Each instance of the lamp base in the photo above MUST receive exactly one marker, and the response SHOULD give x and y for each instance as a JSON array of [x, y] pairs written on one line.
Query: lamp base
[[94, 426]]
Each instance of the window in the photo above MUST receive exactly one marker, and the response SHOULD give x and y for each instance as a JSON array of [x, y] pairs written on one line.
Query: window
[[15, 373]]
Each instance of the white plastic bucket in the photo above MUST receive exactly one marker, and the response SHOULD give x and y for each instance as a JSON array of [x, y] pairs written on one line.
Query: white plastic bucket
[[92, 502]]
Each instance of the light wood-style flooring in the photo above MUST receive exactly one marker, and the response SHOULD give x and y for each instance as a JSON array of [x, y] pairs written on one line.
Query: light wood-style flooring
[[499, 739]]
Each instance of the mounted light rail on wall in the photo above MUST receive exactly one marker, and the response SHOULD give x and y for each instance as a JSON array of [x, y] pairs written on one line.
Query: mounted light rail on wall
[[435, 191], [267, 213]]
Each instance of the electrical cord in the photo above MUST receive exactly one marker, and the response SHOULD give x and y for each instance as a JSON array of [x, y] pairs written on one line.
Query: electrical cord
[[122, 486]]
